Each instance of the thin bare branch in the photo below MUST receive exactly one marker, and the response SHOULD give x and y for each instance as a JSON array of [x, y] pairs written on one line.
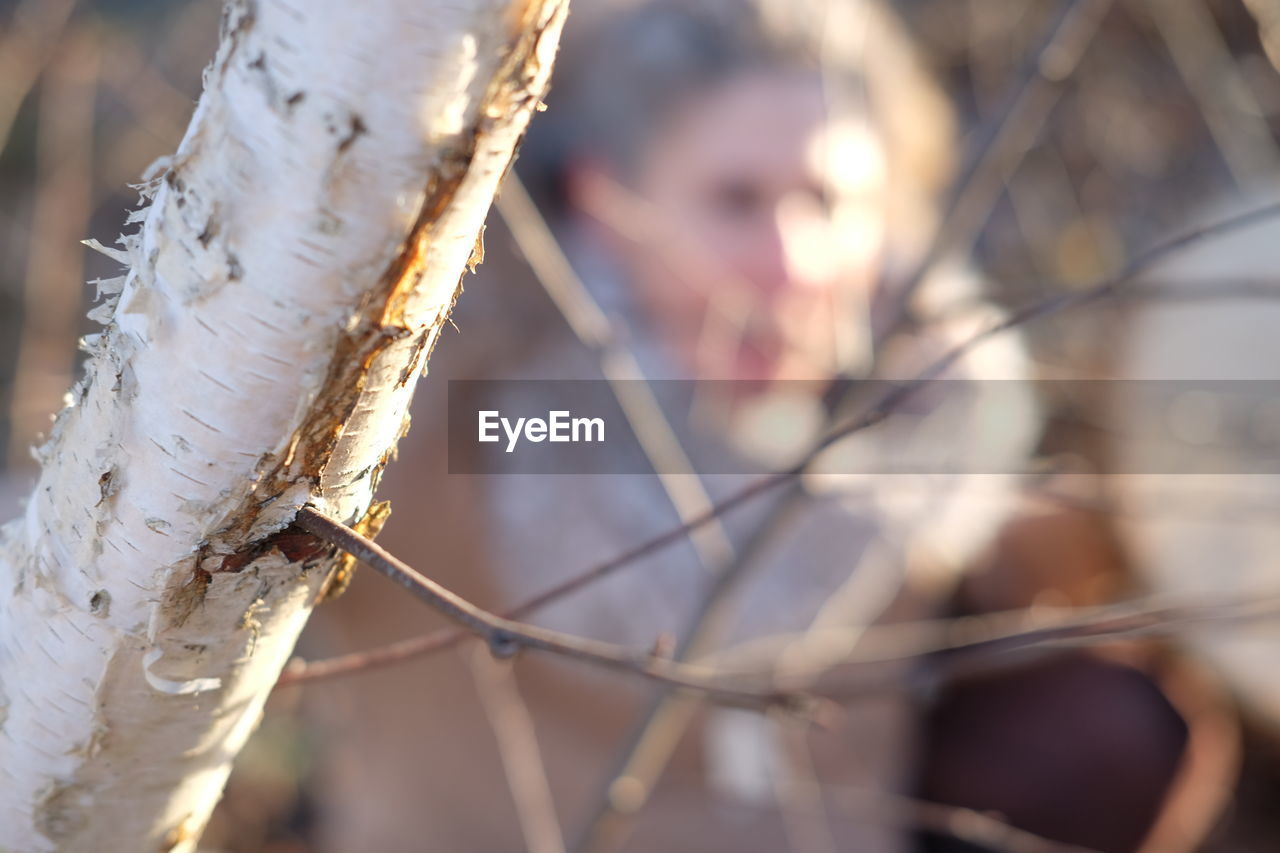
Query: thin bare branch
[[879, 409], [46, 351], [1204, 61], [507, 638], [799, 790], [1001, 146], [25, 47], [618, 364], [944, 649], [518, 748], [648, 747]]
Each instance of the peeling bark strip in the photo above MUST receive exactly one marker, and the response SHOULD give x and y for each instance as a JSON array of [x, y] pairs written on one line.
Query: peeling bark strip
[[299, 256]]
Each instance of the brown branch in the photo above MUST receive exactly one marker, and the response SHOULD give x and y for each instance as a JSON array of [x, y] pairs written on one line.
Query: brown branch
[[506, 638], [717, 679], [880, 409], [413, 647]]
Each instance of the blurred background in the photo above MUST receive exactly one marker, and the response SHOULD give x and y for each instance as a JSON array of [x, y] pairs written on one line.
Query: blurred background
[[1023, 151]]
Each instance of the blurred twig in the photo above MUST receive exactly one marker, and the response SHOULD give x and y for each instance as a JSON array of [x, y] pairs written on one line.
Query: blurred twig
[[1261, 290], [733, 677], [1002, 145], [946, 648], [25, 48], [507, 638], [984, 830], [645, 752], [1267, 15], [618, 364], [799, 793], [518, 748], [1207, 67], [60, 218]]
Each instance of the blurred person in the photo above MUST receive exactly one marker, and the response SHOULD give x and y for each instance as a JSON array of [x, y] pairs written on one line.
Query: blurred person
[[742, 187]]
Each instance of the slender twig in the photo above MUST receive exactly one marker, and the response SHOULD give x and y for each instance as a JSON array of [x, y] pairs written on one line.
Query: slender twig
[[507, 638], [799, 792], [985, 830], [627, 382], [1203, 59], [946, 648], [880, 409], [25, 47], [650, 743], [440, 640], [959, 659], [1002, 145], [45, 357], [1260, 289], [518, 748], [727, 677], [1219, 289]]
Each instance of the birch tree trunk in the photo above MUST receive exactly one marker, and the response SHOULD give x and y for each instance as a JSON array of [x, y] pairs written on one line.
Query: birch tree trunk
[[292, 271]]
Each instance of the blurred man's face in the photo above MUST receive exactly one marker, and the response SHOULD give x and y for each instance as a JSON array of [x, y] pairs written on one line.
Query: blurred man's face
[[766, 229]]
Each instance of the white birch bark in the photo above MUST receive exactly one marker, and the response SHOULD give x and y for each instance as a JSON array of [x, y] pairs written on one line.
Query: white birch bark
[[299, 255]]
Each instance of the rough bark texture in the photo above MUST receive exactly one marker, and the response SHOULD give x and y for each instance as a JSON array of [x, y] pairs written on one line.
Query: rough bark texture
[[299, 255]]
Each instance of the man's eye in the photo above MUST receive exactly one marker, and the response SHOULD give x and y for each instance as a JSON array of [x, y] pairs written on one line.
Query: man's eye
[[820, 196], [737, 199]]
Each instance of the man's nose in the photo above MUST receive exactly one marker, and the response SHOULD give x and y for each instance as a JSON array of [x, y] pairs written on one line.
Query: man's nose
[[799, 236], [771, 268]]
